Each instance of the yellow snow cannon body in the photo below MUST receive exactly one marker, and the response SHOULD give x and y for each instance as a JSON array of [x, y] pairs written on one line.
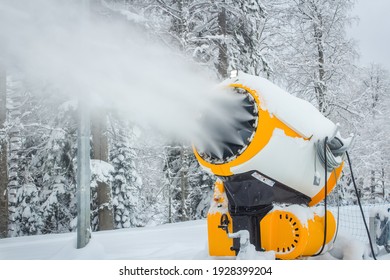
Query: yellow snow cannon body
[[272, 172]]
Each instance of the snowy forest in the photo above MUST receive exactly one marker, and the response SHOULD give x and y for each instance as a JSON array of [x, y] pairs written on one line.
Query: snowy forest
[[144, 176]]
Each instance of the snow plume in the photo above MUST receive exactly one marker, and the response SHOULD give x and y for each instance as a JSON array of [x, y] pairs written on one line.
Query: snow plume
[[105, 59]]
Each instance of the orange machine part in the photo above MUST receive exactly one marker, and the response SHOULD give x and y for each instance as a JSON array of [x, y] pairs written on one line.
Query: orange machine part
[[219, 242], [281, 231], [267, 123], [334, 176], [284, 233]]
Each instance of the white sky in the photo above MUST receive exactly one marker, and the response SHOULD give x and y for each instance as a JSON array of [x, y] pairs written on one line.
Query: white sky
[[373, 31]]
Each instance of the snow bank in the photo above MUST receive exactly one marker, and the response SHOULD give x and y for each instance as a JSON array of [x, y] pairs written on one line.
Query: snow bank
[[347, 248], [181, 241]]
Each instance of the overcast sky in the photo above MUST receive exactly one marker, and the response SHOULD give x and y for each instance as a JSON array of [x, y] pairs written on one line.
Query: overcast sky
[[373, 31]]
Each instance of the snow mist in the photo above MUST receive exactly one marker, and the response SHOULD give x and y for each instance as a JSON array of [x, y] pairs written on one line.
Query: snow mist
[[107, 61]]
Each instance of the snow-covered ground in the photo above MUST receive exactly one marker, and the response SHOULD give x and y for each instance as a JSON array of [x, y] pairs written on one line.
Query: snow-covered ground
[[173, 241], [180, 241]]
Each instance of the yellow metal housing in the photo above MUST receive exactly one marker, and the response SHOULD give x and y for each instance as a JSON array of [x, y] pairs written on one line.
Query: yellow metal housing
[[290, 238], [283, 149], [295, 166], [281, 229]]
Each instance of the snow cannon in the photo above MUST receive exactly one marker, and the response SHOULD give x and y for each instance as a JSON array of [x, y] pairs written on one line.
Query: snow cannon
[[276, 157]]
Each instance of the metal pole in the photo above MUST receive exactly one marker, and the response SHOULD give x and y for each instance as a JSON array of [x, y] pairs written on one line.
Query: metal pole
[[84, 156], [372, 229], [83, 177]]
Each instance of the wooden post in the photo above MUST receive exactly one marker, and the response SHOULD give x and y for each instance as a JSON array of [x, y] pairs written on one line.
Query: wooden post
[[100, 152]]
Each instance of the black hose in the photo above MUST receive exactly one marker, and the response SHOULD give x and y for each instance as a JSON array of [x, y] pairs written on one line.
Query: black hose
[[360, 206]]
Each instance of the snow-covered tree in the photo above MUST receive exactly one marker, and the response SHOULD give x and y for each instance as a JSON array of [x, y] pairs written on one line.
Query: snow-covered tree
[[200, 189], [50, 163], [3, 156], [372, 148], [187, 185], [127, 186], [20, 192], [221, 35], [247, 35], [315, 56], [149, 163], [176, 181], [41, 133]]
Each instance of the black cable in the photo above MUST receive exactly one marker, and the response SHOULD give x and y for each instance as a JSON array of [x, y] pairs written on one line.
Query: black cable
[[360, 206]]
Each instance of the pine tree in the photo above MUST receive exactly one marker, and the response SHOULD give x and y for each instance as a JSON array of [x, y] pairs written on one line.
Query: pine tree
[[176, 182], [3, 156], [57, 186], [50, 139], [200, 189], [127, 187], [17, 194], [187, 185], [42, 153], [150, 157]]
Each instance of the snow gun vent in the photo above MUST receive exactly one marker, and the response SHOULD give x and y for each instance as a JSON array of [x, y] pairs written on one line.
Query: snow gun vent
[[226, 140], [293, 240], [286, 235]]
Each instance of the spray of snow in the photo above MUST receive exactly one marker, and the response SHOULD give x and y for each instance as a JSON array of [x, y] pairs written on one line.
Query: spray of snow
[[107, 61]]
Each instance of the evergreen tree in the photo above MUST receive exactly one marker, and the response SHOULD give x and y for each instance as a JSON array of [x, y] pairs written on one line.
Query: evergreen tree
[[150, 158], [42, 152], [127, 187], [3, 156], [176, 182], [23, 204], [187, 185], [200, 189], [57, 185]]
